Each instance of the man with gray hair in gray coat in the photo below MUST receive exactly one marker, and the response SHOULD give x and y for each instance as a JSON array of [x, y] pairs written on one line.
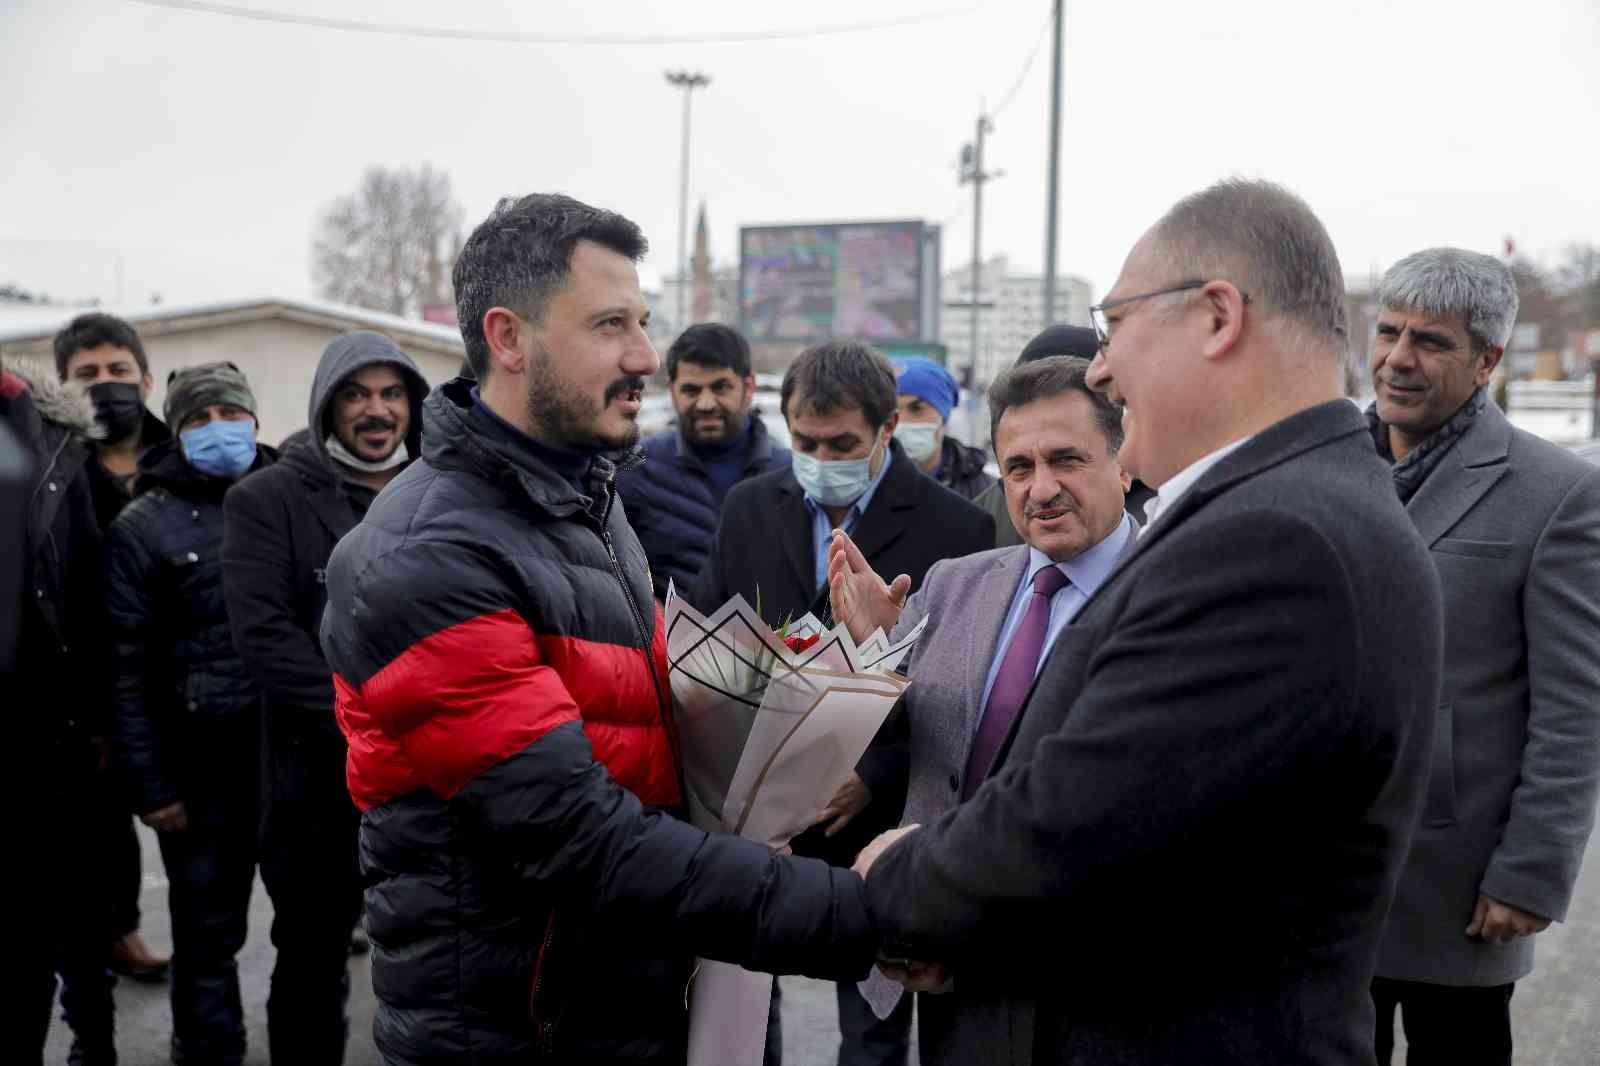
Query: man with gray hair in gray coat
[[1513, 525]]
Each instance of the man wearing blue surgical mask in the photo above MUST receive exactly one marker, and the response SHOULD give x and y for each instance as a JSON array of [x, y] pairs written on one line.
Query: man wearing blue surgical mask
[[847, 472], [185, 724], [926, 394]]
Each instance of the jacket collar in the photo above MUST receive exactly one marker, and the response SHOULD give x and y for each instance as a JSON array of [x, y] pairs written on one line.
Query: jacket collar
[[452, 441], [1470, 469], [1278, 443], [66, 405], [756, 455], [164, 466]]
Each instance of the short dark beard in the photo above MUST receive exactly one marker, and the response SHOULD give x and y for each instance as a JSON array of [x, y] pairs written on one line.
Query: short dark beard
[[566, 416], [733, 424]]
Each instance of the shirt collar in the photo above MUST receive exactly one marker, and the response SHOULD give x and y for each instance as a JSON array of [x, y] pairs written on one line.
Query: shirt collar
[[1184, 480], [1088, 569]]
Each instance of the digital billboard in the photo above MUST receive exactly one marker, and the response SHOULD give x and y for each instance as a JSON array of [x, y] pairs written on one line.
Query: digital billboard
[[858, 280]]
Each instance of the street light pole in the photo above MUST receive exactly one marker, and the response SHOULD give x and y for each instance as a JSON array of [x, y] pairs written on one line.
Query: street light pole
[[972, 172], [687, 81], [1053, 182]]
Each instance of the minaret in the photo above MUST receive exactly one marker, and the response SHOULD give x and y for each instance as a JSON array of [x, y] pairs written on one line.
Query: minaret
[[700, 306]]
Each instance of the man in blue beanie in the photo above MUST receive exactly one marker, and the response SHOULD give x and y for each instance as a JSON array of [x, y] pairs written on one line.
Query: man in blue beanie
[[926, 394]]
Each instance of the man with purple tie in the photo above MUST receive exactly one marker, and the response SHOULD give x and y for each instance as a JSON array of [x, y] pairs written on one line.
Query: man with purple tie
[[990, 615]]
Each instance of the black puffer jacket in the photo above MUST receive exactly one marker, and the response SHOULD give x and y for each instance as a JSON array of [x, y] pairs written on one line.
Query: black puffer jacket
[[488, 626], [179, 687]]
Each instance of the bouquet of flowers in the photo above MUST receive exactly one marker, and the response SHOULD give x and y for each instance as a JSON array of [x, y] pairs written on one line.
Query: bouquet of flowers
[[771, 723]]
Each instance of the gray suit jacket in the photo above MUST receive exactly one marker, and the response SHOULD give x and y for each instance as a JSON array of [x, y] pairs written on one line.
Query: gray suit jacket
[[1513, 524], [965, 601]]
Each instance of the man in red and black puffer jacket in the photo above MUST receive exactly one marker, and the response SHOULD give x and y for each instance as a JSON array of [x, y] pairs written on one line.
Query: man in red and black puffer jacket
[[500, 672]]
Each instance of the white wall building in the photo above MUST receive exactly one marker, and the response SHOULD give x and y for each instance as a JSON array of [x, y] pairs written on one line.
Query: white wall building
[[276, 342], [1010, 313]]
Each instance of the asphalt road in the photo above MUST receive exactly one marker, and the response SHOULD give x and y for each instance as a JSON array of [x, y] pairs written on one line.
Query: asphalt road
[[1557, 1009]]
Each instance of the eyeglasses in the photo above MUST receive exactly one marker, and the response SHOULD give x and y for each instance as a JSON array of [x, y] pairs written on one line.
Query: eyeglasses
[[1097, 313]]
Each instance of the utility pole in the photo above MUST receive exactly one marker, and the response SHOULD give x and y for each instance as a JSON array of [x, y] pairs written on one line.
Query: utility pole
[[972, 172], [1053, 181], [687, 81]]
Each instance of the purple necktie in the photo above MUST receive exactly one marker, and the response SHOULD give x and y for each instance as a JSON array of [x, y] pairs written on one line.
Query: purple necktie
[[1011, 684]]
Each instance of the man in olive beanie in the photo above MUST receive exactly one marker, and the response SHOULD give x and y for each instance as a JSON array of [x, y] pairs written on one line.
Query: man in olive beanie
[[186, 722], [194, 387]]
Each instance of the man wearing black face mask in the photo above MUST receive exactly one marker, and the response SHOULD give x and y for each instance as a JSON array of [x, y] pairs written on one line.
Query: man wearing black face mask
[[103, 355]]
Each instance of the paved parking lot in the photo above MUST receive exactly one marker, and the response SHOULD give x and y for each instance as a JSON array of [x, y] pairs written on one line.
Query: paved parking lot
[[1557, 1010]]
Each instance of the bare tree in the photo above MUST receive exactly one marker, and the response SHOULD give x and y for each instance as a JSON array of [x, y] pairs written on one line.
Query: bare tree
[[389, 245], [1579, 278]]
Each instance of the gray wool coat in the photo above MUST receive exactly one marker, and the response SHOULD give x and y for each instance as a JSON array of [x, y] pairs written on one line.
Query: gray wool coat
[[1513, 525]]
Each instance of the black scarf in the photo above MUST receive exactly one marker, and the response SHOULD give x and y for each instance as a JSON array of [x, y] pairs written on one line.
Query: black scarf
[[1413, 470]]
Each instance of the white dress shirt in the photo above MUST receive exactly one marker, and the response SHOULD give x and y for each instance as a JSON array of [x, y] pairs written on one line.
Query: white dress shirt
[[1184, 480]]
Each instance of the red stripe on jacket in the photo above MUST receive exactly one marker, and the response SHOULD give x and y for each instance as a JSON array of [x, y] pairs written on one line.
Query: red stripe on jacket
[[466, 698]]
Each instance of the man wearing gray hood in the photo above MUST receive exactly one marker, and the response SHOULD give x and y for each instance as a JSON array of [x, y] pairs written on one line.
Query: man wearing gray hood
[[364, 426]]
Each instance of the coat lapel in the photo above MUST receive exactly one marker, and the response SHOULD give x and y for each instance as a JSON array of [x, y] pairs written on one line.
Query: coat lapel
[[884, 520], [793, 523], [1477, 461]]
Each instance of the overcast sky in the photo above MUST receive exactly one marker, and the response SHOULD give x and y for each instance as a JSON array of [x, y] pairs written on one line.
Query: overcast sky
[[197, 149]]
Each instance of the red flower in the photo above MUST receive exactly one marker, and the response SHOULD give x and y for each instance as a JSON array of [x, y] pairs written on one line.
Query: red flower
[[798, 643]]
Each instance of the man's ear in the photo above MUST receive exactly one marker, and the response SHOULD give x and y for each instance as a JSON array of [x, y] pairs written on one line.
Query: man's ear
[[1224, 306], [502, 330], [146, 383], [1487, 363], [1122, 475]]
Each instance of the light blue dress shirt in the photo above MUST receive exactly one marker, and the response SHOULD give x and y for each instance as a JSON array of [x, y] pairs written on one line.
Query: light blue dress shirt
[[1084, 575], [822, 529]]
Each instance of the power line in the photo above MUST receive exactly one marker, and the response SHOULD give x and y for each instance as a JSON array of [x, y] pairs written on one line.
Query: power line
[[1011, 94], [512, 37]]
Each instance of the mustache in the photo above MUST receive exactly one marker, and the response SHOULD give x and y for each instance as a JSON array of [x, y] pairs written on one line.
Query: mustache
[[374, 422], [630, 383], [1058, 502]]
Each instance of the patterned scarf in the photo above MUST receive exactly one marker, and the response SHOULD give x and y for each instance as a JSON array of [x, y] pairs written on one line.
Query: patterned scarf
[[1413, 470]]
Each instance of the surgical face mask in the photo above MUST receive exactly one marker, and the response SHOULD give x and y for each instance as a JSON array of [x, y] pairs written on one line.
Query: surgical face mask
[[833, 482], [221, 448], [344, 455], [118, 408], [919, 439]]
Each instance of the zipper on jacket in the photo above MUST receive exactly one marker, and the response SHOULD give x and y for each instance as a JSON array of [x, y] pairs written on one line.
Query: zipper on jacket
[[545, 1028], [663, 708]]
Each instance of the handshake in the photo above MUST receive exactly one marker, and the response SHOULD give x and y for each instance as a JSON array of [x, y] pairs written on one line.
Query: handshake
[[915, 976]]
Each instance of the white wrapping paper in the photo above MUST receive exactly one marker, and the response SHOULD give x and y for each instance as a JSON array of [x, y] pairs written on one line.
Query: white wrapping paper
[[767, 735]]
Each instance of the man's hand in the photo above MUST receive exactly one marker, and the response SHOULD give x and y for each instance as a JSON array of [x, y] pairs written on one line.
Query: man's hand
[[169, 819], [880, 843], [861, 602], [851, 799], [1501, 923], [916, 976]]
